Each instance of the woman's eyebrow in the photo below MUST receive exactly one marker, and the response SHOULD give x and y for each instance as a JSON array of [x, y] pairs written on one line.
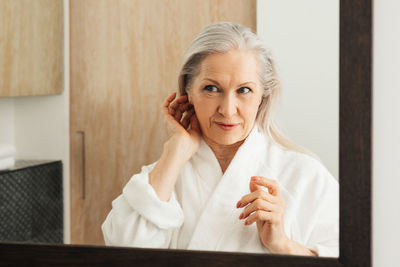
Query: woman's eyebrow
[[213, 81]]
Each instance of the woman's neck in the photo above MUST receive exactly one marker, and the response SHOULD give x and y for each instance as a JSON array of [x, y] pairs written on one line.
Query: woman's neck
[[223, 153]]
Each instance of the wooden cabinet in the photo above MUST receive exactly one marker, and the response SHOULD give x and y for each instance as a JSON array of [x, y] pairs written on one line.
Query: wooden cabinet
[[31, 47], [125, 57]]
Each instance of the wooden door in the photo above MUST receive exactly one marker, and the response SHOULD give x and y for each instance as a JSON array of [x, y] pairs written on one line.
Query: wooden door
[[124, 61]]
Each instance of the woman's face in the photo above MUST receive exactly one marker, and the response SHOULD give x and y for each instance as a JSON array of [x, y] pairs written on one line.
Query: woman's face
[[226, 95]]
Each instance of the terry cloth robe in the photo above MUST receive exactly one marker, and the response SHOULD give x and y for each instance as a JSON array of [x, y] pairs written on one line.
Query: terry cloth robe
[[202, 215]]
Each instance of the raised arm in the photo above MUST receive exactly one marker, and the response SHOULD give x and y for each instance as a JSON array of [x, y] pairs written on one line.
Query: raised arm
[[147, 213], [179, 148]]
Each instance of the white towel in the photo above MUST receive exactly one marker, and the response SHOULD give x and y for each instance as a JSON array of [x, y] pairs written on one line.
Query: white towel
[[7, 163], [7, 151]]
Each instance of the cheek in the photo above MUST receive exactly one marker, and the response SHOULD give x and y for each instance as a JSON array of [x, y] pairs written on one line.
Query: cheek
[[205, 109], [249, 111]]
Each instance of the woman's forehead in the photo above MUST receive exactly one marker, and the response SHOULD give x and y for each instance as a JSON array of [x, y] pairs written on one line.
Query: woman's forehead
[[233, 65]]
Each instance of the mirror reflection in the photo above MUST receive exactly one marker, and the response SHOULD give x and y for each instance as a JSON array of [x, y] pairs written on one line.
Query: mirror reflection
[[184, 137]]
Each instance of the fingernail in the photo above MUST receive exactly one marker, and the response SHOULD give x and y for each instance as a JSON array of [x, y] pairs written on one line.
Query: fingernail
[[238, 204], [246, 223], [255, 178], [241, 216]]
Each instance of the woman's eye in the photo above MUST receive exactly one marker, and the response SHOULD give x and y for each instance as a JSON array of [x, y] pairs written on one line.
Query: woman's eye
[[211, 88], [244, 90]]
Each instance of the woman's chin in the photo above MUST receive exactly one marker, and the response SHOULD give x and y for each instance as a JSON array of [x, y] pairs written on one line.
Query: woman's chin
[[224, 140]]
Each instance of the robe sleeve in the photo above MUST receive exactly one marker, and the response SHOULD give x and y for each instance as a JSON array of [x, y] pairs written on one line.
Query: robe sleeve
[[324, 237], [139, 218], [318, 214]]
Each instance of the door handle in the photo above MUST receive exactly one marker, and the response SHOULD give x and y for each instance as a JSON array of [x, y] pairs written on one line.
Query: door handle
[[83, 164]]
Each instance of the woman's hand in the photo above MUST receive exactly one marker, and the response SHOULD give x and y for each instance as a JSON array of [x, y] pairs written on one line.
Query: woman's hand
[[183, 128], [184, 139], [267, 210]]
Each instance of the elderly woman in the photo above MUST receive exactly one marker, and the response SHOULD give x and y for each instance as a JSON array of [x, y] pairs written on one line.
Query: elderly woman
[[227, 179]]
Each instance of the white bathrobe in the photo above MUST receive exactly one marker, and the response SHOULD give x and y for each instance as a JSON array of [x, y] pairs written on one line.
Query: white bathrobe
[[202, 213]]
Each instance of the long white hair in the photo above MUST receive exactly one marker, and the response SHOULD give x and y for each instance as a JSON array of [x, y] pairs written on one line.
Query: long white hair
[[220, 38]]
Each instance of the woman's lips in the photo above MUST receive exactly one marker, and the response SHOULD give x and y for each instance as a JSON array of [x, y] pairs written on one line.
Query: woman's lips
[[227, 126]]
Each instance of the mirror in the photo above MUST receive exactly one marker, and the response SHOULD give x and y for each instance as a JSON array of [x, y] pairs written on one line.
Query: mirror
[[105, 77], [342, 82]]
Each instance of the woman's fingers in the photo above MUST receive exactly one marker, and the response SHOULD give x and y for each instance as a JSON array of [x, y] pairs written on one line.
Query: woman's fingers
[[262, 204], [181, 109], [169, 99], [185, 107], [167, 102], [174, 105], [178, 115], [272, 185], [258, 194], [261, 215], [258, 204], [186, 119]]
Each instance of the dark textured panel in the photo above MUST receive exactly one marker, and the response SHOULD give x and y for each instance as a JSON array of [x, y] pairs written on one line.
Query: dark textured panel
[[31, 207]]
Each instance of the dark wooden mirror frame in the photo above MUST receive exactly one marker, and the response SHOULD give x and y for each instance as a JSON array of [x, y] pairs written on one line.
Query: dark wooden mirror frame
[[354, 175]]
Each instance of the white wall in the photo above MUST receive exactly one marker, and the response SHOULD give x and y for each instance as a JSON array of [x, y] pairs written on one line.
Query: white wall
[[386, 134], [304, 40], [7, 121], [39, 127]]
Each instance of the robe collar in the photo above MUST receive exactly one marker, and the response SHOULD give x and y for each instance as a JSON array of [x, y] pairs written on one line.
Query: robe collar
[[220, 210]]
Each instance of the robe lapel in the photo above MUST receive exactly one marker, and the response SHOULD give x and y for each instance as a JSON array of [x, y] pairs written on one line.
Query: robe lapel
[[220, 210]]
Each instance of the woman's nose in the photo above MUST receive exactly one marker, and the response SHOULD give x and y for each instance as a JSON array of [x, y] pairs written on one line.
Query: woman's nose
[[228, 106]]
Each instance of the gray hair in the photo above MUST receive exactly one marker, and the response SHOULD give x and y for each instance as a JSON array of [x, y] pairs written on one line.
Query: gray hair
[[220, 38]]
